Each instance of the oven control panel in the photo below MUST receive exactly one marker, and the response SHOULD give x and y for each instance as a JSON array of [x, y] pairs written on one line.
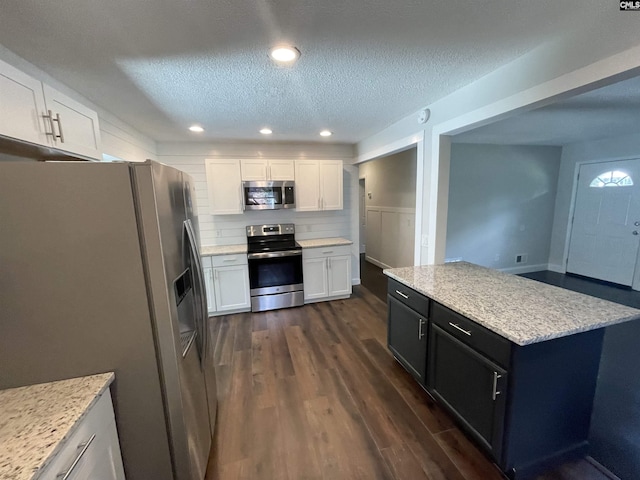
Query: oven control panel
[[273, 229]]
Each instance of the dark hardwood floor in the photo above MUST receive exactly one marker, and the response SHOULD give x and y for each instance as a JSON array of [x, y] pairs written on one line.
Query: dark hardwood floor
[[313, 393]]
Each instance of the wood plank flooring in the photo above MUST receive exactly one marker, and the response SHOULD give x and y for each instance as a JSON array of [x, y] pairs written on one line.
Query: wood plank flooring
[[313, 393]]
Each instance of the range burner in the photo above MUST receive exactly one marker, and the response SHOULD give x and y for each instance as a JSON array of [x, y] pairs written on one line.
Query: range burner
[[275, 267]]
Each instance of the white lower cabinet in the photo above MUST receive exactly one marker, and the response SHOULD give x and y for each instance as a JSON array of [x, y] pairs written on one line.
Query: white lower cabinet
[[326, 272], [227, 283], [93, 450]]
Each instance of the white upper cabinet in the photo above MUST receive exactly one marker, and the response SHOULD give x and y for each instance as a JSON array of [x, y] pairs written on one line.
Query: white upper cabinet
[[319, 185], [224, 185], [262, 169], [74, 126], [21, 106], [34, 112]]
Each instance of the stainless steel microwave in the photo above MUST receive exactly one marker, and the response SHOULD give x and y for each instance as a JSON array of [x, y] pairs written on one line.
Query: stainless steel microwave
[[266, 195]]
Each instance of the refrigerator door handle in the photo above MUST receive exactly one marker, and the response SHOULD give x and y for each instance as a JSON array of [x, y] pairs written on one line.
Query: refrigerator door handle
[[199, 285]]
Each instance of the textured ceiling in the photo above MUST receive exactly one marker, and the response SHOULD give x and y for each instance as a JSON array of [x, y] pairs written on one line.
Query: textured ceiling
[[609, 111], [161, 65]]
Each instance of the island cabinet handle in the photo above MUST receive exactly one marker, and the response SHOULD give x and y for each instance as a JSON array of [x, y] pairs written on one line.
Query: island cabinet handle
[[420, 329], [84, 446], [495, 391], [457, 327], [402, 294]]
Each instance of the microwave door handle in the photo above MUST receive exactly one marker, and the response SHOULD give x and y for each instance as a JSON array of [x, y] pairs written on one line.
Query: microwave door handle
[[196, 262]]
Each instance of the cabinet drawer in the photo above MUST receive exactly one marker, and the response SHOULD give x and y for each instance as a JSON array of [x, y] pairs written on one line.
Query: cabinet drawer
[[409, 297], [90, 429], [229, 260], [333, 251], [485, 341]]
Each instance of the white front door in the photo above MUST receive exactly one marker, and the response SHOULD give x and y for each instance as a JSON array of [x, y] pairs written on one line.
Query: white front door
[[606, 222]]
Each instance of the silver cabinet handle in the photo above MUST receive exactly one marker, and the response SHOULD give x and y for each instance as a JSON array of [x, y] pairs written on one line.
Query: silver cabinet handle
[[84, 446], [495, 391], [53, 131], [420, 330], [402, 294], [457, 327], [60, 134], [327, 252]]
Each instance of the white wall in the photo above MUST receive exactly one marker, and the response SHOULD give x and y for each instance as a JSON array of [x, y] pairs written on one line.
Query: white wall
[[501, 204], [555, 70], [230, 229], [618, 148], [390, 212]]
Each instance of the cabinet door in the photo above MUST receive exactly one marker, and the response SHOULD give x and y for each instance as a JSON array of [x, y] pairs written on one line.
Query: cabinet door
[[75, 126], [254, 170], [470, 385], [307, 185], [208, 282], [21, 106], [225, 186], [339, 275], [316, 281], [407, 338], [281, 170], [231, 285], [331, 185]]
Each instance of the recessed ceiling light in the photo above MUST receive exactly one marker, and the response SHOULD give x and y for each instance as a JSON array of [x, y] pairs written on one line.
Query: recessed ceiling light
[[285, 54], [326, 133], [266, 131], [196, 128]]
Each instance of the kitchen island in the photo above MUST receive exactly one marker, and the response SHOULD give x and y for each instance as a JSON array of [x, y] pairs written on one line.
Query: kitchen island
[[514, 360], [42, 426]]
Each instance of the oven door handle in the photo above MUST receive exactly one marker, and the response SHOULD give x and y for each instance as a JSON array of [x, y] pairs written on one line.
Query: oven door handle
[[284, 253]]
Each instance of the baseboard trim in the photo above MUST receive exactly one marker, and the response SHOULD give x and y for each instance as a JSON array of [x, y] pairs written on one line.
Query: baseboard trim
[[525, 269], [605, 471], [355, 281], [554, 267]]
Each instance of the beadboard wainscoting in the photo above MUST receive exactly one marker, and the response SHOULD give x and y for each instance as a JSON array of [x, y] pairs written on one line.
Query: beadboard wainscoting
[[230, 229], [390, 236]]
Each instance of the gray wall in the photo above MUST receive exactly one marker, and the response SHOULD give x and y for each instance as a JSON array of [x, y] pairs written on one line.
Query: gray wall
[[501, 204], [390, 212], [391, 180]]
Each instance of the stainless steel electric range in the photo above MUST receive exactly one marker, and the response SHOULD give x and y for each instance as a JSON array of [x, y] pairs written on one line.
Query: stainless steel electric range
[[275, 267]]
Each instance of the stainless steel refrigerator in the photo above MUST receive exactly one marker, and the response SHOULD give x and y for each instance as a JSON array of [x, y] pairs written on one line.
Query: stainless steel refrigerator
[[100, 271]]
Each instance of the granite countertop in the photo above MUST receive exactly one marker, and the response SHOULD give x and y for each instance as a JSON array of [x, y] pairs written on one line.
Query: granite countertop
[[212, 250], [324, 242], [522, 310], [35, 420]]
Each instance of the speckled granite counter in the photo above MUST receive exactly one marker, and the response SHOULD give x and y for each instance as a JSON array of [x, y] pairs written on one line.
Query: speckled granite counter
[[35, 420], [211, 250], [324, 242], [521, 310]]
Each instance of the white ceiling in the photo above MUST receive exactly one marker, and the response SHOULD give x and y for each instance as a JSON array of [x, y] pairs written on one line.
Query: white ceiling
[[606, 112], [161, 65]]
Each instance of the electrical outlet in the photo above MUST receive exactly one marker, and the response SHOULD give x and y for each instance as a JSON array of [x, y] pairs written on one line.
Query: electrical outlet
[[522, 258]]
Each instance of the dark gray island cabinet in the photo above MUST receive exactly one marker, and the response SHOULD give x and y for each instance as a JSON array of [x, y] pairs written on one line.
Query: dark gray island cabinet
[[521, 391]]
